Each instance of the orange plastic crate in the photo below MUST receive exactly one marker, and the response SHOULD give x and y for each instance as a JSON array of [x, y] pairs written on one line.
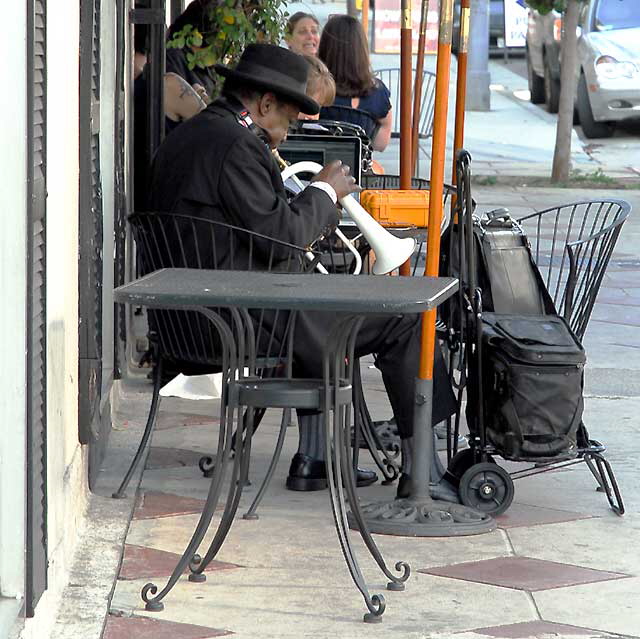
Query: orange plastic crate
[[397, 208]]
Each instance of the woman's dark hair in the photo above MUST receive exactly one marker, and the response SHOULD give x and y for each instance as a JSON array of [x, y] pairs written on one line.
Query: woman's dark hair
[[296, 17], [343, 48], [195, 14]]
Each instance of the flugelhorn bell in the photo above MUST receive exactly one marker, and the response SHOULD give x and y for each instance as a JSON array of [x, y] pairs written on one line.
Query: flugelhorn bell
[[391, 251]]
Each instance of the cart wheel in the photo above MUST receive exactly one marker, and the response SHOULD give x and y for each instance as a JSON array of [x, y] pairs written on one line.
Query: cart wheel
[[487, 487], [459, 464]]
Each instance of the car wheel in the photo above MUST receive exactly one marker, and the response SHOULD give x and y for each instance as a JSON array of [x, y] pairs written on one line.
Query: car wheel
[[551, 88], [590, 127], [536, 84]]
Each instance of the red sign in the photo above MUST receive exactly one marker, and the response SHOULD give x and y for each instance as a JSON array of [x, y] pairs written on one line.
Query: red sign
[[386, 38]]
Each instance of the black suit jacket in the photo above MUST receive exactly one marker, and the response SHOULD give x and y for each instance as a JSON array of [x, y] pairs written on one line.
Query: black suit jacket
[[213, 167]]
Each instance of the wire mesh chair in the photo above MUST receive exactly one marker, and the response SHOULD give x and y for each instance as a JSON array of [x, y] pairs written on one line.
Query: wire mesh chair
[[391, 78], [186, 341], [572, 245], [351, 115]]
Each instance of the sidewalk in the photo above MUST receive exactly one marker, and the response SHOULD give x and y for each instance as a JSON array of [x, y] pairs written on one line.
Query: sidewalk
[[560, 563], [517, 138], [514, 139]]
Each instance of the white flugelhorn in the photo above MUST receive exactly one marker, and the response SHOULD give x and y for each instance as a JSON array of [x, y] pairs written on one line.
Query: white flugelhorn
[[357, 258], [391, 251]]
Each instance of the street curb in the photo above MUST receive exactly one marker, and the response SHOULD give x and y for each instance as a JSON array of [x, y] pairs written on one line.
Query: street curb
[[543, 181]]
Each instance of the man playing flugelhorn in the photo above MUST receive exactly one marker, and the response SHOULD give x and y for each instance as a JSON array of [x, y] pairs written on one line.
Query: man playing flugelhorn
[[218, 166]]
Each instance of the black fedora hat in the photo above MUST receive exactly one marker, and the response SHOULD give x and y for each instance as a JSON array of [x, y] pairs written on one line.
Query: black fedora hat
[[276, 69]]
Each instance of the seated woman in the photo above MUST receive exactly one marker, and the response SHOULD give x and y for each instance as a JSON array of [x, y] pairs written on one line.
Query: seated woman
[[303, 33], [343, 48]]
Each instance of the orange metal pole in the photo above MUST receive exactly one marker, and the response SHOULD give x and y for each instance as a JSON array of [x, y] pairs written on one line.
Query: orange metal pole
[[364, 18], [461, 88], [405, 105], [438, 148], [417, 84], [405, 95]]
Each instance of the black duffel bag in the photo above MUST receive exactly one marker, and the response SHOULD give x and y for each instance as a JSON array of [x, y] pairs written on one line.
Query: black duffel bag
[[532, 370]]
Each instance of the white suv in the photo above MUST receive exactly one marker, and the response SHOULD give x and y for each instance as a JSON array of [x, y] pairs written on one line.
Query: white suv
[[608, 63]]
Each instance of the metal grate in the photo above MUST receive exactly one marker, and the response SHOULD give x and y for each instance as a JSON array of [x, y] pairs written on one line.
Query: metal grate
[[90, 225], [36, 577]]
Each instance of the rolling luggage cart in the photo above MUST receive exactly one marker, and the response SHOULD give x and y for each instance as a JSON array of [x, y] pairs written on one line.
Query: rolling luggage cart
[[520, 361]]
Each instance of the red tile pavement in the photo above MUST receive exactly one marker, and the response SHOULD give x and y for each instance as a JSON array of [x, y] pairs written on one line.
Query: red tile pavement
[[145, 628], [160, 457], [524, 515], [152, 505], [523, 573], [139, 562], [167, 420], [529, 629]]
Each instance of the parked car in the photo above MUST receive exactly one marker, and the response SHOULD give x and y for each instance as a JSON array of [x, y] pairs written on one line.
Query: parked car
[[496, 27], [608, 71]]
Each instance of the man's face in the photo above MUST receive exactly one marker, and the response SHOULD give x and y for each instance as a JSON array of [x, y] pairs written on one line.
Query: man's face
[[274, 117]]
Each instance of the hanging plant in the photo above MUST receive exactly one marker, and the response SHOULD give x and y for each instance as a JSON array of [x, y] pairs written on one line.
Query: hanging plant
[[228, 26]]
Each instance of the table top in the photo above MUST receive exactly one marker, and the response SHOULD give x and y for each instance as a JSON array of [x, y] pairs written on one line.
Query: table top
[[180, 288]]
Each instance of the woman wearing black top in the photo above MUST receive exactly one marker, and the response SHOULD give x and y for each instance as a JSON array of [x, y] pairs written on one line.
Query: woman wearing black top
[[343, 48]]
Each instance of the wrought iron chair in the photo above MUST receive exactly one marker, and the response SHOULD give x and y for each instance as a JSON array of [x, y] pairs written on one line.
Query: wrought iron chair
[[572, 245], [230, 340], [185, 342], [391, 78], [350, 115]]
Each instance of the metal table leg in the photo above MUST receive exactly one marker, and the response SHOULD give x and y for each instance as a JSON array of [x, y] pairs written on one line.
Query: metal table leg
[[339, 471], [150, 595]]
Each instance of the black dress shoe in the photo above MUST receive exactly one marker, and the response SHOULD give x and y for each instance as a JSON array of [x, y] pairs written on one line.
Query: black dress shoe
[[307, 473]]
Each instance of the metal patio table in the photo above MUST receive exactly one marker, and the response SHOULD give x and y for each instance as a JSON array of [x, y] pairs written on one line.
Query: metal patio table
[[352, 298]]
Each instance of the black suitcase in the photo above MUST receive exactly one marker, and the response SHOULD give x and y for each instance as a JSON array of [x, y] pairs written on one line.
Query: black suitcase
[[532, 368]]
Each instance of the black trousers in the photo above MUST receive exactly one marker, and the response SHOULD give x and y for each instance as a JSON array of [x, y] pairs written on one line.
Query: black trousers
[[395, 342]]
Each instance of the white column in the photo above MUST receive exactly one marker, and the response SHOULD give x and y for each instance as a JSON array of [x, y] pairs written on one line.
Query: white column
[[478, 77]]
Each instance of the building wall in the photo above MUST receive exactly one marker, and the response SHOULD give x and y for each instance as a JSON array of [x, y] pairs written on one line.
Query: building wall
[[13, 255], [66, 459]]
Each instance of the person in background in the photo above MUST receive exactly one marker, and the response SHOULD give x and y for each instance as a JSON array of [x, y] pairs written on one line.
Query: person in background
[[321, 86], [202, 80], [303, 34], [343, 48], [181, 102]]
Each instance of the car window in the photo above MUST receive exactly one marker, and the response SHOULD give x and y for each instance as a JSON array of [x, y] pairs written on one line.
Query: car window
[[617, 14]]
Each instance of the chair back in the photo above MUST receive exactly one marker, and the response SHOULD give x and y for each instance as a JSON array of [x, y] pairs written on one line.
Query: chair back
[[363, 119], [391, 78], [572, 245], [188, 338]]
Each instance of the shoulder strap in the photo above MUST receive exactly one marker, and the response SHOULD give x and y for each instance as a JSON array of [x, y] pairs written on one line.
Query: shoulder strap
[[242, 117]]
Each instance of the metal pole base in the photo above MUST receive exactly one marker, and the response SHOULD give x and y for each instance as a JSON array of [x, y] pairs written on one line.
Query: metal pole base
[[424, 518], [154, 606]]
